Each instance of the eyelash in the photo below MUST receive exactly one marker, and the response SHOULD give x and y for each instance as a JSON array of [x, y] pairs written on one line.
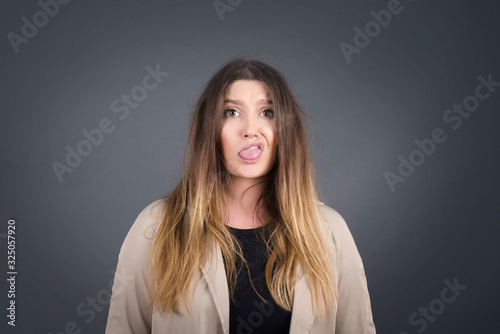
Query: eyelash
[[227, 111]]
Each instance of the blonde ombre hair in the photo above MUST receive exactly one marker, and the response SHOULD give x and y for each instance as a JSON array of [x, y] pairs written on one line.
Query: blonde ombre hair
[[194, 211]]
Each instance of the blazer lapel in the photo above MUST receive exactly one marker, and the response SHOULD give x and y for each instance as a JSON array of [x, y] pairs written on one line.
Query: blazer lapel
[[302, 310], [215, 275]]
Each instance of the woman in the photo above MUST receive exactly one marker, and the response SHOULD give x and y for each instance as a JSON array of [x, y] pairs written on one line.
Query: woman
[[242, 244]]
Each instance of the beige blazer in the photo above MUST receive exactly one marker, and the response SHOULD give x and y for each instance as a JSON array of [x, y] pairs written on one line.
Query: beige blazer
[[129, 312]]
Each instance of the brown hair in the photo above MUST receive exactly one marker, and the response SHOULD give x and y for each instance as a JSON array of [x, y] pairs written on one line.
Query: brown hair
[[194, 210]]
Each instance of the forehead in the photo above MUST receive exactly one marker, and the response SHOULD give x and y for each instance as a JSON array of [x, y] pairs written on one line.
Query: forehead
[[248, 90]]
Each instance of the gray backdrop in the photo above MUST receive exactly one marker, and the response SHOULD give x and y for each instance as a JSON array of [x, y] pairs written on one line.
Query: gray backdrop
[[403, 99]]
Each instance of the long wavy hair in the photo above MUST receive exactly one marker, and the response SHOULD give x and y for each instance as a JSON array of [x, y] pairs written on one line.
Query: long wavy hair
[[194, 212]]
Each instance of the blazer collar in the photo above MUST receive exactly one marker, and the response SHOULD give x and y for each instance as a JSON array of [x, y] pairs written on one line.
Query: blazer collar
[[302, 309], [215, 275]]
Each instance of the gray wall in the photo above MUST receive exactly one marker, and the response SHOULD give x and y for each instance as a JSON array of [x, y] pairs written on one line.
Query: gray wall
[[437, 226]]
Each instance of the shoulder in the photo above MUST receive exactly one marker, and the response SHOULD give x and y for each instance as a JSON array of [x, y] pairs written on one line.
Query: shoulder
[[137, 244], [147, 222], [331, 218], [152, 213], [335, 226], [353, 304], [129, 310]]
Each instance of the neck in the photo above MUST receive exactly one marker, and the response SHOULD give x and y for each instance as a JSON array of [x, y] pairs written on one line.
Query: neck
[[241, 202], [245, 192]]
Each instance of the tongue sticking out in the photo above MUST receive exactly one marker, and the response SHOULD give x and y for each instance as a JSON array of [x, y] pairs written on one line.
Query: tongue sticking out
[[250, 153]]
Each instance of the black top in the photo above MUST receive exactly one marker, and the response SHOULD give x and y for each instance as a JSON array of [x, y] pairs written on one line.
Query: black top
[[250, 314]]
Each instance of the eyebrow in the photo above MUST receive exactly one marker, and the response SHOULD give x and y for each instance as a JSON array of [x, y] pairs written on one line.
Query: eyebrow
[[239, 102]]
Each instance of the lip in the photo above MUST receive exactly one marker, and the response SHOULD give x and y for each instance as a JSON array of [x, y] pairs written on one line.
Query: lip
[[257, 143]]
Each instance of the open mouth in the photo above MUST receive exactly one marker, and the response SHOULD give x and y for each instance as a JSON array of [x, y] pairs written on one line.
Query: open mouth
[[252, 152]]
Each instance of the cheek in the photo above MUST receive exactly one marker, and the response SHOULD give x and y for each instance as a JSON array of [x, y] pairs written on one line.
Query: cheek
[[272, 138], [225, 139]]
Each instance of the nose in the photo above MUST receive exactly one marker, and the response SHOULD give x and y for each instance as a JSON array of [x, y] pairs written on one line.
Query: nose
[[250, 128]]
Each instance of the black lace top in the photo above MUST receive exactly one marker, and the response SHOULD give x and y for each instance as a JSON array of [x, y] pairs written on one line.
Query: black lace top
[[249, 313]]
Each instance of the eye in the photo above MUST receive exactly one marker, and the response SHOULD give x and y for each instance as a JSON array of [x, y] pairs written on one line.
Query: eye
[[231, 112], [268, 113]]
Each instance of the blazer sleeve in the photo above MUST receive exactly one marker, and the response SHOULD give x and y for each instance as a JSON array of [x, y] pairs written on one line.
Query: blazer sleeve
[[354, 313], [129, 310]]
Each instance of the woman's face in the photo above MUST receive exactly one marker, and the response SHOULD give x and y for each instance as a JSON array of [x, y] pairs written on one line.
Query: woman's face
[[248, 134]]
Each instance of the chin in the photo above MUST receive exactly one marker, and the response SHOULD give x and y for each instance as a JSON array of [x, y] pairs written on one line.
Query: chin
[[250, 174], [245, 171]]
